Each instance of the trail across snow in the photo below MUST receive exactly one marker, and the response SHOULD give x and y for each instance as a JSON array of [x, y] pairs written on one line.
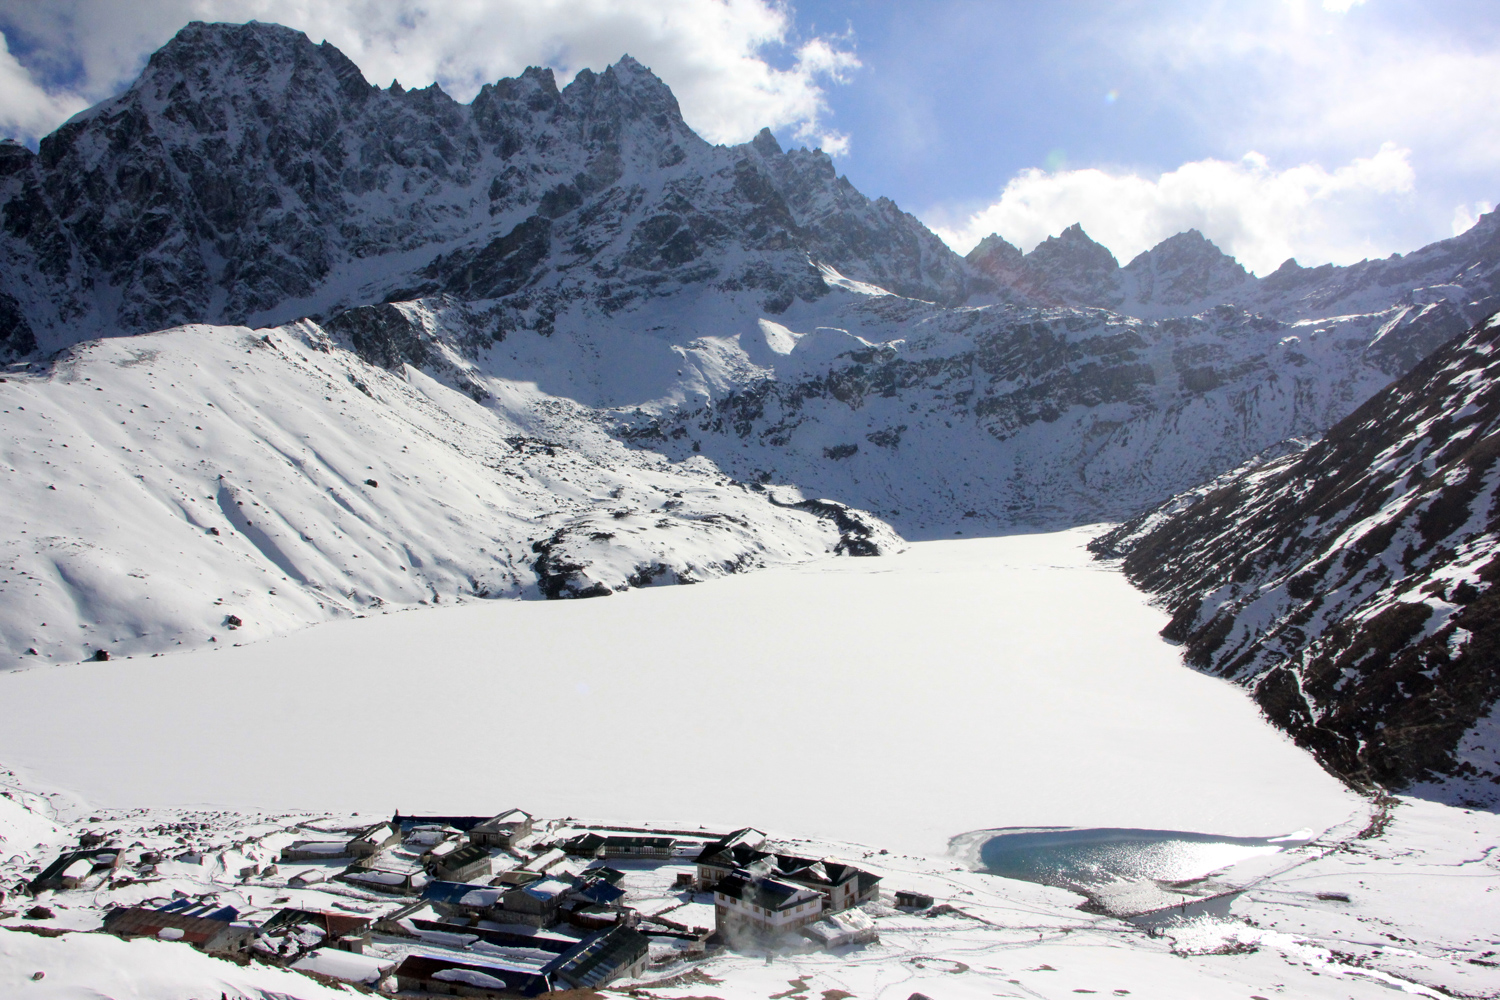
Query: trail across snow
[[892, 701]]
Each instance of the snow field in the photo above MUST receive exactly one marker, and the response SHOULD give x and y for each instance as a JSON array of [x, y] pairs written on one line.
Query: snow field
[[897, 701], [83, 967]]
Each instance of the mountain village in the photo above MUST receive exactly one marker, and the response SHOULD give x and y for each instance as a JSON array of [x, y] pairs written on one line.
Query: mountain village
[[499, 906]]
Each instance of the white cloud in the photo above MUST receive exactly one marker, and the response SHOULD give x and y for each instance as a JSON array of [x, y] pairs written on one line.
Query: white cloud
[[25, 108], [1341, 6], [1257, 214], [1464, 216], [715, 54], [1298, 82]]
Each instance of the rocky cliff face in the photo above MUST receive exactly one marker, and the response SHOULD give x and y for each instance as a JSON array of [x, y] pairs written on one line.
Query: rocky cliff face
[[1352, 585], [252, 176]]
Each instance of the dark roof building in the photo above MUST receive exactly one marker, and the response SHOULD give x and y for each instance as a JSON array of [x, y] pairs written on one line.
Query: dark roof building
[[372, 839], [213, 934], [599, 891], [747, 837], [762, 905], [842, 885], [503, 830], [72, 867], [464, 864], [598, 959], [333, 925], [602, 958], [472, 977], [593, 845], [467, 896]]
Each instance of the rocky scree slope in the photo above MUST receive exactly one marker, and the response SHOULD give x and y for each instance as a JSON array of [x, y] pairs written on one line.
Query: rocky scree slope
[[1353, 585], [251, 176]]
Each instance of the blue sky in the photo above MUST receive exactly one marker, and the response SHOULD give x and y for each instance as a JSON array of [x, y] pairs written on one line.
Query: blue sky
[[1324, 129]]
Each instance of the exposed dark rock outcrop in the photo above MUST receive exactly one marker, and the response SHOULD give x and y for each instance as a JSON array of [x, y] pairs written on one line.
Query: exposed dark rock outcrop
[[859, 533], [251, 176]]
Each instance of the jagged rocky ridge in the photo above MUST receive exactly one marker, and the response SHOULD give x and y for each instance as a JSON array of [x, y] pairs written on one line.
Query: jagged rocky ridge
[[1458, 278], [1353, 585], [251, 176]]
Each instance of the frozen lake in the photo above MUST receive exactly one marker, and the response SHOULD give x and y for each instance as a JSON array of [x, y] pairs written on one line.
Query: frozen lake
[[898, 701]]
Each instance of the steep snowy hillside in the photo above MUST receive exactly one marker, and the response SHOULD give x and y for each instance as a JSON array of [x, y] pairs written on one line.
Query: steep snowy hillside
[[940, 419], [252, 176], [214, 483], [1352, 585]]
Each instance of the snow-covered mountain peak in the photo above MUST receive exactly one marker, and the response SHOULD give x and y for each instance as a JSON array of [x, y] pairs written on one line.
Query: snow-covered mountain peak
[[765, 143], [250, 175], [1066, 269], [1077, 269], [1183, 271]]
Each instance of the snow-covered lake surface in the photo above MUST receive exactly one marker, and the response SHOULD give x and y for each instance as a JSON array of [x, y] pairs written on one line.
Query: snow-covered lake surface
[[896, 701]]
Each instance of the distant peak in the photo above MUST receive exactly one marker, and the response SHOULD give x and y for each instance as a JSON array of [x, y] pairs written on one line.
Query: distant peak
[[625, 84], [1181, 248], [765, 143], [199, 32], [632, 75], [994, 246], [1076, 246]]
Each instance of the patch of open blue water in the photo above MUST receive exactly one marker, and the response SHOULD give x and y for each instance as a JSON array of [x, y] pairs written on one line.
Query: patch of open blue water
[[1083, 858]]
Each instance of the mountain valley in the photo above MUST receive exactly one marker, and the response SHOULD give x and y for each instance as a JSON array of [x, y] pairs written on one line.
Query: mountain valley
[[280, 347]]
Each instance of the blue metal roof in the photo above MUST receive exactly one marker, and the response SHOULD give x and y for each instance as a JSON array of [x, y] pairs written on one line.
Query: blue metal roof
[[452, 892], [206, 911], [600, 891]]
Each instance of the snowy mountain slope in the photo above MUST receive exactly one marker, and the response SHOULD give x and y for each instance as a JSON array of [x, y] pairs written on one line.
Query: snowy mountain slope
[[1351, 585], [977, 418], [157, 485], [250, 175], [573, 268], [939, 418]]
